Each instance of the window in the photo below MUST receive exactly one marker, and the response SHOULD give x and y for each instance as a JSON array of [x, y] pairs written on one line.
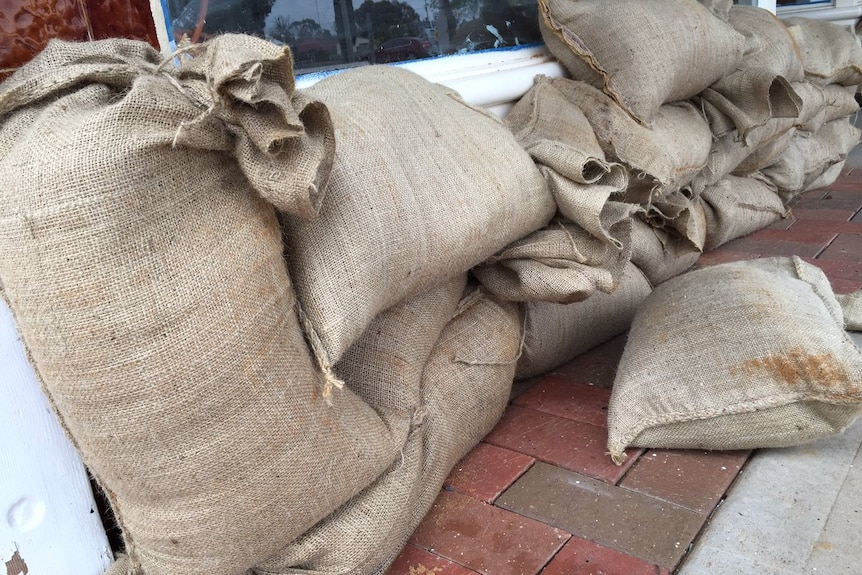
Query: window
[[331, 34]]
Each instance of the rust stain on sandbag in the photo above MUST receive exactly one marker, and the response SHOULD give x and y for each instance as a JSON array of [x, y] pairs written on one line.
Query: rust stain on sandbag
[[16, 565], [799, 367]]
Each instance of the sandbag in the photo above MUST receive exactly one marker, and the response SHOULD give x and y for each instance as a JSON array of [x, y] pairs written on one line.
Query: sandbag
[[641, 54], [464, 389], [851, 305], [556, 334], [735, 207], [660, 253], [664, 157], [821, 104], [586, 247], [142, 259], [808, 156], [760, 88], [682, 214], [557, 135], [826, 178], [384, 367], [830, 53], [731, 154], [562, 263], [736, 356], [423, 188]]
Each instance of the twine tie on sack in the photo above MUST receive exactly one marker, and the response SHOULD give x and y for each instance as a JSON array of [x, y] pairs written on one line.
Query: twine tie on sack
[[214, 100], [321, 357]]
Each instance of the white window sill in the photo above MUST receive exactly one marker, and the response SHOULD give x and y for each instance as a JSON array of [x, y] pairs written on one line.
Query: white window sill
[[493, 79]]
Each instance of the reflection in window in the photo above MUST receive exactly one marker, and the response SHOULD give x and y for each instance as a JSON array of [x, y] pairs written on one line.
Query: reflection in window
[[338, 33]]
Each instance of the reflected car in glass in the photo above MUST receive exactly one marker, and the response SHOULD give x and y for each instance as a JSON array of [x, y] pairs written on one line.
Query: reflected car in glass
[[400, 49]]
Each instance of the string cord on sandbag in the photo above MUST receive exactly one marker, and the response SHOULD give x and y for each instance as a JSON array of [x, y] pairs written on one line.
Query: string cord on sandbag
[[321, 356], [214, 100]]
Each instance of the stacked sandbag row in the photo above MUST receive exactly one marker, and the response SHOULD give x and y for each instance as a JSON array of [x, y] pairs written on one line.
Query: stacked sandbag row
[[634, 66], [618, 145], [703, 106], [248, 305], [744, 369], [782, 121], [831, 61]]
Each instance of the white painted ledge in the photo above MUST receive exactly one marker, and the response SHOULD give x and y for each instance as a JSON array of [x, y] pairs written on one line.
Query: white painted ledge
[[49, 523], [493, 79]]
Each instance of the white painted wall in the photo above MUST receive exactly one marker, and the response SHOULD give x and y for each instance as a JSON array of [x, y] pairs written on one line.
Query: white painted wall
[[48, 519]]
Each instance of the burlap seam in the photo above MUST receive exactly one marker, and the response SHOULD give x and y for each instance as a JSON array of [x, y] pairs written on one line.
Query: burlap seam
[[617, 447], [581, 50], [802, 274]]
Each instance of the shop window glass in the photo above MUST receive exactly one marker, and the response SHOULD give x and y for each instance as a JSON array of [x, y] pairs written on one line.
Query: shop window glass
[[327, 34], [804, 2]]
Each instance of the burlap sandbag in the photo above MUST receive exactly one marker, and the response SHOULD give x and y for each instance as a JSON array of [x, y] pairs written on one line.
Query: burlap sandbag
[[562, 263], [760, 88], [830, 53], [586, 247], [680, 213], [384, 367], [146, 276], [768, 151], [826, 178], [641, 54], [808, 156], [423, 188], [735, 207], [660, 253], [721, 8], [732, 154], [664, 157], [464, 388], [851, 305], [736, 356], [835, 140], [556, 334], [557, 135], [821, 104]]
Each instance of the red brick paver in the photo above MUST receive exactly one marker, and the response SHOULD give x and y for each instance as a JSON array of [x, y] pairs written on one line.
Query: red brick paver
[[416, 561], [563, 442], [487, 471], [487, 539], [563, 398], [695, 480], [582, 557]]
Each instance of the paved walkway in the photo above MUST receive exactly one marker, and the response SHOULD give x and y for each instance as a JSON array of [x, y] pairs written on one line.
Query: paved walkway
[[539, 494]]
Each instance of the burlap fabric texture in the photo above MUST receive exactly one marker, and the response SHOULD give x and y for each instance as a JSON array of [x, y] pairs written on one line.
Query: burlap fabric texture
[[557, 333], [451, 389], [142, 259], [586, 247], [761, 87], [423, 188]]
